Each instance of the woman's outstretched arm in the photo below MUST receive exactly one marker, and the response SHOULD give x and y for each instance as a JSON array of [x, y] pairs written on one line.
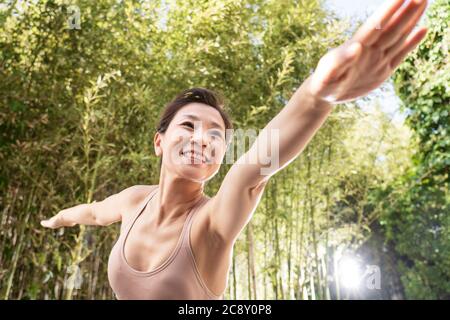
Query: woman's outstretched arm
[[102, 213], [345, 73]]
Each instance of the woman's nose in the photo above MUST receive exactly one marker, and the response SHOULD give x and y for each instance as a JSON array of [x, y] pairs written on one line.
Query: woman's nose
[[201, 137]]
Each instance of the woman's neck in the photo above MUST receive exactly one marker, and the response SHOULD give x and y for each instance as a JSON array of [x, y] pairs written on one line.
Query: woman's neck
[[175, 197]]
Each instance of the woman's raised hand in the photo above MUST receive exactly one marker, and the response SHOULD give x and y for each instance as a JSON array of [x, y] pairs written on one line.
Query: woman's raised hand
[[365, 61]]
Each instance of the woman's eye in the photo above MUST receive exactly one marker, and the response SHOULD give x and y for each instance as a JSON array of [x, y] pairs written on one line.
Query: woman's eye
[[217, 135], [189, 124]]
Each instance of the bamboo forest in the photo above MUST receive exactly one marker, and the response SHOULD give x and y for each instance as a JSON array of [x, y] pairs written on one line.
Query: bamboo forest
[[362, 213]]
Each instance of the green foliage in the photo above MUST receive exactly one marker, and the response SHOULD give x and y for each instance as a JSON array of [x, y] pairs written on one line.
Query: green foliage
[[417, 212], [78, 110]]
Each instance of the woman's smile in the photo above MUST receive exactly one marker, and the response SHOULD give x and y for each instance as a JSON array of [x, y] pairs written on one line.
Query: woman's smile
[[195, 157]]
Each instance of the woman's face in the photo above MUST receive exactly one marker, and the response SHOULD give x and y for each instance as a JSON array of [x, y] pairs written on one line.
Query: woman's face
[[194, 144]]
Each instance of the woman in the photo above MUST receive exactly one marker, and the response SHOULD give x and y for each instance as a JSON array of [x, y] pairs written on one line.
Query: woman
[[175, 242]]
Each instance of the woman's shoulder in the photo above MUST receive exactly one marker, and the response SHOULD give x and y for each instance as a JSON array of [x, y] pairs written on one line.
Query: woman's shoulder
[[133, 197], [137, 193]]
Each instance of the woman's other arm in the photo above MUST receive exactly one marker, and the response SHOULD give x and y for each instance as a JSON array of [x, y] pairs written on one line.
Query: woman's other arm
[[103, 213]]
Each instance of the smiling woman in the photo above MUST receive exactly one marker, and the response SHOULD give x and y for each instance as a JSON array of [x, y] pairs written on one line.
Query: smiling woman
[[176, 242], [203, 96]]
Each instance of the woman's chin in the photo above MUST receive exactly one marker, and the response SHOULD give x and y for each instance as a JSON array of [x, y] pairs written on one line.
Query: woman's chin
[[194, 174], [193, 171]]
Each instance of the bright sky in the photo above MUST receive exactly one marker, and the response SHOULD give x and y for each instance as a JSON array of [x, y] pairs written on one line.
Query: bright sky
[[360, 10]]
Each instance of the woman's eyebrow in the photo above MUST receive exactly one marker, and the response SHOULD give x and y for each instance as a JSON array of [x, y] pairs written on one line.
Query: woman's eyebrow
[[194, 117]]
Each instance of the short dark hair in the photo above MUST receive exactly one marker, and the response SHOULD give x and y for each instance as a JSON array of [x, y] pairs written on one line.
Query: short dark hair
[[202, 95]]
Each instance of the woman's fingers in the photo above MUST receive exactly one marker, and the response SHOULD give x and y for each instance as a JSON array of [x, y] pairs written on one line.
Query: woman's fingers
[[370, 31], [402, 23], [394, 49], [409, 44], [49, 223], [46, 223]]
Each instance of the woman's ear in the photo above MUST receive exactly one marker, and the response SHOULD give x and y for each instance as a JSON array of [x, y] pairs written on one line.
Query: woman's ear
[[157, 144]]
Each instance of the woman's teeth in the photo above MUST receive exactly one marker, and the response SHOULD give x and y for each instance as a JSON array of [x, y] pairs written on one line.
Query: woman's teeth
[[194, 155]]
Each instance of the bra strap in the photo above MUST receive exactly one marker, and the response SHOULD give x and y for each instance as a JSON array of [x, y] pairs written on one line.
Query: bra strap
[[141, 209]]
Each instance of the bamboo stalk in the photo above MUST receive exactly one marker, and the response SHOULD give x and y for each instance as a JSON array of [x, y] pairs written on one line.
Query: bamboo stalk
[[251, 258], [18, 250]]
